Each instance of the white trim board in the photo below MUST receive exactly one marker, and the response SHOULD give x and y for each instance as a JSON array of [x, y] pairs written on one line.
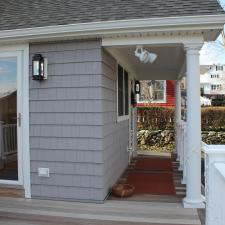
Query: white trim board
[[98, 29], [123, 117]]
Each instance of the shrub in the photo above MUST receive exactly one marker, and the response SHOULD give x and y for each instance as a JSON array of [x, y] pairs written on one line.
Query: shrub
[[213, 118], [156, 118], [218, 102]]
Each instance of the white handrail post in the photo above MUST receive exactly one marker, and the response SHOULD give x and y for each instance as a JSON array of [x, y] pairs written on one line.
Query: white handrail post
[[184, 154], [215, 184], [181, 145], [177, 117]]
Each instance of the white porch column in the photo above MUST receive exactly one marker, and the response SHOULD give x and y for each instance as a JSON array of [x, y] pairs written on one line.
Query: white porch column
[[193, 197], [177, 116]]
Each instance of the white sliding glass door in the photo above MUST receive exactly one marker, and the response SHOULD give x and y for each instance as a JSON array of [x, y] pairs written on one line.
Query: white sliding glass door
[[10, 117]]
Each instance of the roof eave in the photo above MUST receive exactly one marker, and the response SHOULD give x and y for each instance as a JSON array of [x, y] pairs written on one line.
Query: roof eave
[[107, 28]]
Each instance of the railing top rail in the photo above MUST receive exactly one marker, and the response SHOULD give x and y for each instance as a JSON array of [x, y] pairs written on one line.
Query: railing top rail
[[213, 149]]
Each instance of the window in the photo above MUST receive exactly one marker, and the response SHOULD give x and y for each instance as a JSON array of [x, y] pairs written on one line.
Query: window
[[219, 68], [216, 87], [215, 76], [152, 91], [213, 87], [122, 92]]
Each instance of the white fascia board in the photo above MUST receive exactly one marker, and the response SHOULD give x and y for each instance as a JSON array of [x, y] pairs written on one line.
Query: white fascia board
[[116, 27]]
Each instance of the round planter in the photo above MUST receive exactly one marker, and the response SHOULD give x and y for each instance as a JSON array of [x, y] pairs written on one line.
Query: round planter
[[123, 190]]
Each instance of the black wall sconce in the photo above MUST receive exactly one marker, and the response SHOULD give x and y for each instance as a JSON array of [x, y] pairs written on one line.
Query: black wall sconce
[[39, 67], [137, 87]]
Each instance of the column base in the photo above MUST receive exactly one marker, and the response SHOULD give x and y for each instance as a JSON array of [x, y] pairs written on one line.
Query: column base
[[196, 204], [183, 181], [180, 168]]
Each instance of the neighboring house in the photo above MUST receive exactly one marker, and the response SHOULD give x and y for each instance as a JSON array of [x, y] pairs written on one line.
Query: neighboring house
[[74, 127], [160, 93], [213, 80]]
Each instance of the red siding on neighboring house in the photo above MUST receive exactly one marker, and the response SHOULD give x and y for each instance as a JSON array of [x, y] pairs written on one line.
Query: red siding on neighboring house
[[170, 99]]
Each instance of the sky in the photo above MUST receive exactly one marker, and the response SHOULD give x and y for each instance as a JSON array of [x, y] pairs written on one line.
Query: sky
[[213, 52]]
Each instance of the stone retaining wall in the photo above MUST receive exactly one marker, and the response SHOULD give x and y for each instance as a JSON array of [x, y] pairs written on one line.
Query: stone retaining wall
[[163, 140]]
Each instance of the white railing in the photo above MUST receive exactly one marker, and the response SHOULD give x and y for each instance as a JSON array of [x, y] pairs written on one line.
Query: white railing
[[180, 141], [132, 145], [8, 139], [214, 183]]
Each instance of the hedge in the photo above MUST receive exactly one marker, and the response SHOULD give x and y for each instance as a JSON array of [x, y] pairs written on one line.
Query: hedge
[[213, 119], [155, 118], [159, 118]]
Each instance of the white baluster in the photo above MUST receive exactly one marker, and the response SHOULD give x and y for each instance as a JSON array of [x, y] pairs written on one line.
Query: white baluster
[[184, 155]]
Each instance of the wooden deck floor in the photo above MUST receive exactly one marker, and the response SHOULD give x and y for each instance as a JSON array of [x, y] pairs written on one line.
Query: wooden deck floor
[[16, 211]]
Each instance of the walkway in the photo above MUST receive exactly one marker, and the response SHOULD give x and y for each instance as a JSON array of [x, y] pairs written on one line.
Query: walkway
[[155, 178]]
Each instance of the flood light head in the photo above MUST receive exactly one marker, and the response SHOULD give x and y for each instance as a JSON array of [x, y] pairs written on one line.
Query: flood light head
[[145, 56]]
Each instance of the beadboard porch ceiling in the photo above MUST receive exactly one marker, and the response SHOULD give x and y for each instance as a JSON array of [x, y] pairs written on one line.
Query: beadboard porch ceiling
[[167, 66]]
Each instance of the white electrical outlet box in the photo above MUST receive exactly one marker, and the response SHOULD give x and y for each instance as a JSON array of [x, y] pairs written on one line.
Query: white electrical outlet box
[[43, 172]]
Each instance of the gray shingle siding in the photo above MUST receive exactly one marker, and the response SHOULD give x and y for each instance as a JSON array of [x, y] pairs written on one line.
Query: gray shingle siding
[[115, 133], [39, 13], [66, 122], [73, 123]]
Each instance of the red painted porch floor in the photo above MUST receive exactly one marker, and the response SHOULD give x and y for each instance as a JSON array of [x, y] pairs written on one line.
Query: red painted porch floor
[[150, 175]]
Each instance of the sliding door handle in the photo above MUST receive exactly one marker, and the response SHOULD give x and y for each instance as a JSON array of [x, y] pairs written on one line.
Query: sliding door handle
[[19, 118]]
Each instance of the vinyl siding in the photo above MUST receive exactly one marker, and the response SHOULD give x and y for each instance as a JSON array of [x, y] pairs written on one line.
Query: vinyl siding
[[66, 122], [115, 133]]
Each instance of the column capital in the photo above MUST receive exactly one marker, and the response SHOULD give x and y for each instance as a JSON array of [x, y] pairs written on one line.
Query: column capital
[[193, 47]]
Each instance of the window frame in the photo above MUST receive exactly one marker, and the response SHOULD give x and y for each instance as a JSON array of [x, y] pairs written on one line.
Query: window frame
[[156, 101], [123, 117]]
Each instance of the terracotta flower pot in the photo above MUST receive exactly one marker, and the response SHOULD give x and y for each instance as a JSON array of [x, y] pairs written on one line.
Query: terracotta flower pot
[[123, 190]]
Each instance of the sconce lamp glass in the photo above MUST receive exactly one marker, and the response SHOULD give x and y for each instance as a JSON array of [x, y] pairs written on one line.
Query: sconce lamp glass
[[137, 87], [38, 67]]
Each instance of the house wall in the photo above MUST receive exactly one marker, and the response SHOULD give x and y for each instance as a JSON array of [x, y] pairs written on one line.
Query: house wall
[[115, 133], [73, 123], [207, 81], [170, 97], [67, 131]]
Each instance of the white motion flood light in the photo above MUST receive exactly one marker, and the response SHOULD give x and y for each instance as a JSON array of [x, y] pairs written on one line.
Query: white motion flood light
[[145, 56]]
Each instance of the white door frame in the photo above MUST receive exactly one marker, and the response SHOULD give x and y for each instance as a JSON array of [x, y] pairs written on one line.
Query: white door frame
[[22, 54]]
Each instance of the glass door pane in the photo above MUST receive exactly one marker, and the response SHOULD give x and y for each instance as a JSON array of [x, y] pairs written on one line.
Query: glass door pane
[[8, 119]]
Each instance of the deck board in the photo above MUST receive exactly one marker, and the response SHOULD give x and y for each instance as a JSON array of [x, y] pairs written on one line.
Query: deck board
[[111, 212]]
